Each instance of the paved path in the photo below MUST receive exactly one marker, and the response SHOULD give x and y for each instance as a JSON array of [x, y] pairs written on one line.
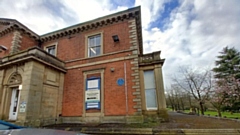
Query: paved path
[[179, 124], [178, 120]]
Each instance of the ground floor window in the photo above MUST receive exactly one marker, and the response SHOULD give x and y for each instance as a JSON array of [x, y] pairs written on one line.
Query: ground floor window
[[92, 94], [150, 90]]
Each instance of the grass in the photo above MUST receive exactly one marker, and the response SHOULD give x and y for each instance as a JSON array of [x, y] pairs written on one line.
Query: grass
[[226, 114]]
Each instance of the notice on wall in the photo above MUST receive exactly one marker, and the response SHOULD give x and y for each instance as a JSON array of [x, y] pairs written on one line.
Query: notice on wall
[[92, 95], [94, 105], [92, 84], [22, 107]]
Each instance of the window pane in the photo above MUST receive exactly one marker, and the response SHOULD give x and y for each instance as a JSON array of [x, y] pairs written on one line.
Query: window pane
[[92, 52], [91, 41], [94, 45], [98, 49], [98, 40], [51, 50], [149, 81], [151, 98]]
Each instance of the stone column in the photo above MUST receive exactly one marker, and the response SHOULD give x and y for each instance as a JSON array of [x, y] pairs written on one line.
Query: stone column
[[31, 94], [159, 87], [162, 111], [60, 96], [3, 103]]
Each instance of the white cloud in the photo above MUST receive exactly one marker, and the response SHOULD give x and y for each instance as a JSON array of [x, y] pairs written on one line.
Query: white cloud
[[91, 9], [194, 34], [33, 14]]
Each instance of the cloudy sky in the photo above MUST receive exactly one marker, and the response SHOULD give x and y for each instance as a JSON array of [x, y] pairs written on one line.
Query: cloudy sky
[[188, 32]]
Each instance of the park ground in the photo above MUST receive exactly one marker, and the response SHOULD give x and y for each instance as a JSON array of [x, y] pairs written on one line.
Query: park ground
[[176, 121]]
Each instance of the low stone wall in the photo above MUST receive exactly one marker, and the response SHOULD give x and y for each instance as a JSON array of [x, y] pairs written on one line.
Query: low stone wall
[[152, 131], [105, 119]]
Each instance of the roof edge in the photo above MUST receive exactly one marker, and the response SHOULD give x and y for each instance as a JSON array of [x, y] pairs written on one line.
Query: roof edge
[[14, 24]]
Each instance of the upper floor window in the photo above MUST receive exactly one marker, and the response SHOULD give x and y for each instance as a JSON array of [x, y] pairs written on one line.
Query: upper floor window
[[51, 50], [94, 45]]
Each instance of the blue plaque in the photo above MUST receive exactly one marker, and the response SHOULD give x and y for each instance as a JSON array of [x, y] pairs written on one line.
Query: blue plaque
[[120, 82]]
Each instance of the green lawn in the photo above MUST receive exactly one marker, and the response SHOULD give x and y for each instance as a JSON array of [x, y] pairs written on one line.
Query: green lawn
[[227, 114], [213, 113]]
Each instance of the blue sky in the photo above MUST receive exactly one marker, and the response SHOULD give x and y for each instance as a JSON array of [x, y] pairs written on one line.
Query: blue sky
[[188, 32]]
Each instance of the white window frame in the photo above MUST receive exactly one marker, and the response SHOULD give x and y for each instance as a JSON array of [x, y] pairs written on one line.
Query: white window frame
[[50, 46], [87, 41], [152, 88]]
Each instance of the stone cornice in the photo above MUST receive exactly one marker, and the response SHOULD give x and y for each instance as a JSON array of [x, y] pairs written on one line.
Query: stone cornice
[[150, 58], [36, 54], [12, 25]]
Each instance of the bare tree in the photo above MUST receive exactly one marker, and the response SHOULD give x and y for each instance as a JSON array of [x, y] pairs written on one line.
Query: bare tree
[[177, 99], [218, 98], [198, 83]]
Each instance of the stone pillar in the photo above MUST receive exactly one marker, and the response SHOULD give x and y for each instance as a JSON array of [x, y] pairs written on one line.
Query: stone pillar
[[162, 111], [31, 94], [159, 87], [3, 103], [60, 96]]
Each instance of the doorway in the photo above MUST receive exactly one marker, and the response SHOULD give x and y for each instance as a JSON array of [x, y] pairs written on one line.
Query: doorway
[[14, 104]]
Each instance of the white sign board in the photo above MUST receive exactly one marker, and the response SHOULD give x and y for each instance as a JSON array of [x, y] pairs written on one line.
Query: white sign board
[[92, 84], [92, 95], [22, 107]]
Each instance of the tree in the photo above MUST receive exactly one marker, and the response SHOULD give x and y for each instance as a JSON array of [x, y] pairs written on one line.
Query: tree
[[228, 64], [218, 96], [173, 98], [227, 73], [198, 83]]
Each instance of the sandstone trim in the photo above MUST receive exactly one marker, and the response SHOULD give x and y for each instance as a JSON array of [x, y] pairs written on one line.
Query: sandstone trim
[[135, 66], [16, 42]]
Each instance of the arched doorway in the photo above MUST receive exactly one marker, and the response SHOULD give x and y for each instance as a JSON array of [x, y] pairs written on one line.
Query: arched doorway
[[14, 82]]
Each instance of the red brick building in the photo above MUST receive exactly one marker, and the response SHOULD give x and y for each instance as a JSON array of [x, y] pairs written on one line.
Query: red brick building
[[90, 72]]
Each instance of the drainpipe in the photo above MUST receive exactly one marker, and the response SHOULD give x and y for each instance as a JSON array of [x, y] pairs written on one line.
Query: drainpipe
[[126, 90]]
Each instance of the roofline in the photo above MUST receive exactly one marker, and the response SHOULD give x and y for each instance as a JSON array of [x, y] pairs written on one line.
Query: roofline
[[93, 20], [131, 13], [14, 24]]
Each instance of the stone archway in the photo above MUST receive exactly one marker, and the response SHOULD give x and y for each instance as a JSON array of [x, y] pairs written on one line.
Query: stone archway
[[15, 79], [10, 97]]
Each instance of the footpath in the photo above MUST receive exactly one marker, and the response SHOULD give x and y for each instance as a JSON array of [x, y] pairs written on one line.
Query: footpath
[[179, 124]]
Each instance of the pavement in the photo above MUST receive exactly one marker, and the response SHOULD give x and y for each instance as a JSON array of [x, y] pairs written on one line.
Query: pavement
[[179, 124]]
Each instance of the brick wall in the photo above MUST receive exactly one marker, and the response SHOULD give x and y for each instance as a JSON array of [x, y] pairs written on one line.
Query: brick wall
[[114, 95], [76, 43], [6, 41], [27, 42], [76, 63]]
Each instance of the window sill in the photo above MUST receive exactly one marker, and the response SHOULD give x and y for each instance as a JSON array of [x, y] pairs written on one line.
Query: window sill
[[151, 109]]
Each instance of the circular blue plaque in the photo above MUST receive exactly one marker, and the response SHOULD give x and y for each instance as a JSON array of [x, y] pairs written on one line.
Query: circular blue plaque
[[120, 82]]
